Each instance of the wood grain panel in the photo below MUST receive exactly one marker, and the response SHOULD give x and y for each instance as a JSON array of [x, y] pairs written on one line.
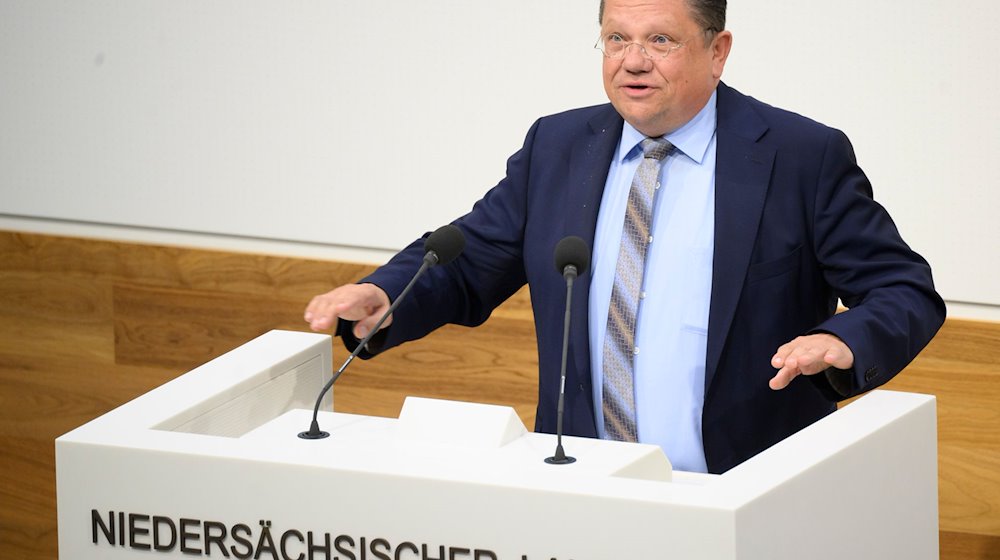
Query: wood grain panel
[[969, 546], [46, 398], [175, 267], [87, 325], [496, 363], [28, 514], [59, 314], [969, 489], [183, 328], [967, 342], [961, 367], [968, 398]]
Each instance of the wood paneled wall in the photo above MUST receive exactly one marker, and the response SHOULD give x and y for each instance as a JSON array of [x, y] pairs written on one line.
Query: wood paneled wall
[[87, 325]]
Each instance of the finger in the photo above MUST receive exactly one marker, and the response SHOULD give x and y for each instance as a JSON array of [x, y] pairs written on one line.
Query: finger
[[311, 309], [785, 372], [321, 322], [783, 378], [369, 323], [778, 360], [317, 314], [810, 360], [354, 310], [781, 355], [799, 360], [839, 356], [366, 324], [831, 357], [362, 303], [324, 310]]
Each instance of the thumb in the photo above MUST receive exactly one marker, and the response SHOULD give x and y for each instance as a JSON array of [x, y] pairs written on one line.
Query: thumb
[[366, 324], [361, 329], [839, 356]]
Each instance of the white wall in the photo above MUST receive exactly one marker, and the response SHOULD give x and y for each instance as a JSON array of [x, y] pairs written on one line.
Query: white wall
[[914, 85], [360, 125], [345, 122]]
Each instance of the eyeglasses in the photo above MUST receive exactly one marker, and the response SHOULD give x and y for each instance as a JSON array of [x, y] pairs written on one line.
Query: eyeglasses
[[656, 46]]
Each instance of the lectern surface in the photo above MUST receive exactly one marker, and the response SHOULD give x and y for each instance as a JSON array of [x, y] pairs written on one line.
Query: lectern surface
[[210, 465]]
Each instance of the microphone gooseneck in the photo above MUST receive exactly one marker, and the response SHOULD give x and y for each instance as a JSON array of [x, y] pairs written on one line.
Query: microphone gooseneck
[[440, 247], [572, 256]]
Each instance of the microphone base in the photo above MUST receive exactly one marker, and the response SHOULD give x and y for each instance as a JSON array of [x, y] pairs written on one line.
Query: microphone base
[[314, 435], [560, 458]]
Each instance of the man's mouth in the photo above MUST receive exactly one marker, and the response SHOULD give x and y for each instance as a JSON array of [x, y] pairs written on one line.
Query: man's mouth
[[636, 87]]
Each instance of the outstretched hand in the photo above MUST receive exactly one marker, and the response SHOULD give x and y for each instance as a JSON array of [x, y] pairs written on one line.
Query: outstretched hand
[[362, 303], [809, 355]]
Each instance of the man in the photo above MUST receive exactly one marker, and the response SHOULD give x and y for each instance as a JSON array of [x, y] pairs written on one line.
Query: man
[[723, 232]]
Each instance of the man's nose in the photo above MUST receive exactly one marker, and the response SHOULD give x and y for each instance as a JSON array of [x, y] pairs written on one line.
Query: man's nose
[[635, 58]]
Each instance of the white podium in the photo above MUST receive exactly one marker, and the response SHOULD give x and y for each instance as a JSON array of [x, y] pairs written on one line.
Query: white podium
[[210, 465]]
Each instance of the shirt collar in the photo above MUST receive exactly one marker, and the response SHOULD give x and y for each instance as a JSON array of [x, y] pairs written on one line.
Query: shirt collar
[[692, 139]]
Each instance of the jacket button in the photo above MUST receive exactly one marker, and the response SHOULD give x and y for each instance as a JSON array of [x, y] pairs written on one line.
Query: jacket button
[[872, 373]]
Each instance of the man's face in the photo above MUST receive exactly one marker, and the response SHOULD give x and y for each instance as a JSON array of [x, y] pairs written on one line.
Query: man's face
[[661, 95]]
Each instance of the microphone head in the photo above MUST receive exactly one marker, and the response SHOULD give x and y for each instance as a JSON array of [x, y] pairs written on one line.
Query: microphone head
[[447, 243], [572, 251]]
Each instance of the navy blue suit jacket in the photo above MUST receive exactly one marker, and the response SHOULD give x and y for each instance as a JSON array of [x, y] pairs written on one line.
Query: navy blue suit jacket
[[795, 228]]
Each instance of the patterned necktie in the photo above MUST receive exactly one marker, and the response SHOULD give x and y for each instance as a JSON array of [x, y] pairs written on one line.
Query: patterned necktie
[[626, 295]]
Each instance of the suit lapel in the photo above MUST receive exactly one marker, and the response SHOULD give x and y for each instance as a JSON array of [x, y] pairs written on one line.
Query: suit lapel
[[590, 159], [743, 172]]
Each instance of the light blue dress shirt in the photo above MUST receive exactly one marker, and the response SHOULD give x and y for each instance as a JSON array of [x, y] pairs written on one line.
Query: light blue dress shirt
[[672, 324]]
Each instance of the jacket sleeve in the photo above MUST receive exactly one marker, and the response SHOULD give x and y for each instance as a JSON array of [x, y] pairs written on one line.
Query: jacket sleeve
[[893, 309], [465, 291]]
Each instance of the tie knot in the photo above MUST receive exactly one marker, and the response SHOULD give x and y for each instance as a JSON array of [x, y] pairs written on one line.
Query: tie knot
[[655, 148]]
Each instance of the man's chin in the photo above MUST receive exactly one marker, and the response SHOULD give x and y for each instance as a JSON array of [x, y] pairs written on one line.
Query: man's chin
[[649, 126]]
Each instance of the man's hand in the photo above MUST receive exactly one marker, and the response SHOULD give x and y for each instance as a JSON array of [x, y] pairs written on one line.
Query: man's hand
[[363, 303], [809, 355]]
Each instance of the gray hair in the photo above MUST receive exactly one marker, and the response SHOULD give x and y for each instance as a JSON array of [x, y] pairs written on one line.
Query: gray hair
[[709, 14]]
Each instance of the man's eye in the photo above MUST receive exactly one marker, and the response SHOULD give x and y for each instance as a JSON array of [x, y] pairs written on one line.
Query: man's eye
[[615, 38], [660, 40]]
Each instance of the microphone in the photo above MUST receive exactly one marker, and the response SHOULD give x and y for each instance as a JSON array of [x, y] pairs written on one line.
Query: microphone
[[572, 257], [440, 247]]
